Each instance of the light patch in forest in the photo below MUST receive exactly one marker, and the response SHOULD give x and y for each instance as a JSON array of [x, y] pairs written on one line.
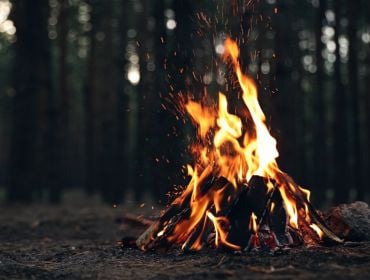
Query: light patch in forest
[[133, 75], [365, 37], [6, 25], [5, 8], [171, 24]]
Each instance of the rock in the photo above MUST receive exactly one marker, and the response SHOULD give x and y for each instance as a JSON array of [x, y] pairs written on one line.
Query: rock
[[350, 221]]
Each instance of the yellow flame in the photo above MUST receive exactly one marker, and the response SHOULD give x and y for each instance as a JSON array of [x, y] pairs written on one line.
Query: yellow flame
[[291, 208], [225, 148], [272, 207], [318, 231], [253, 223], [220, 233]]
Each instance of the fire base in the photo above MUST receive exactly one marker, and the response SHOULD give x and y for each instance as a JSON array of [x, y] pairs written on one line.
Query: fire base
[[251, 217]]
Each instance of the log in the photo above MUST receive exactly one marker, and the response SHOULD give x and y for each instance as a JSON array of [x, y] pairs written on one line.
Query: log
[[148, 236], [204, 226], [253, 198], [145, 240], [350, 221], [329, 235], [278, 221], [237, 206], [300, 199], [175, 213]]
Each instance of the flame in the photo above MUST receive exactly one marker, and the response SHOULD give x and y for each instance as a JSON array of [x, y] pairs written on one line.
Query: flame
[[202, 115], [220, 233], [253, 223], [291, 208], [265, 150], [272, 208], [227, 149], [318, 231]]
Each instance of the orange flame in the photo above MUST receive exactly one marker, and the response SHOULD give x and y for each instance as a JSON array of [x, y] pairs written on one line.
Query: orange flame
[[220, 233], [253, 223], [227, 150], [318, 231]]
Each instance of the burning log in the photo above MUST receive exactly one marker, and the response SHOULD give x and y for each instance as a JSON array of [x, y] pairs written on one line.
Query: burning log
[[255, 213], [148, 236], [328, 233], [256, 219], [252, 199], [176, 213], [196, 240], [224, 199], [296, 194], [277, 219], [156, 234]]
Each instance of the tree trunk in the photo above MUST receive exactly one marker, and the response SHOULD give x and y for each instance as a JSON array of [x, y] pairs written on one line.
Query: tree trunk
[[111, 190], [57, 130], [90, 108], [32, 85], [353, 13], [341, 150], [121, 168], [320, 121]]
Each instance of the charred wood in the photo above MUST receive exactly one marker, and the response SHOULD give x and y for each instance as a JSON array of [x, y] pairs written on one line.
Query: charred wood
[[350, 221], [174, 214], [252, 199]]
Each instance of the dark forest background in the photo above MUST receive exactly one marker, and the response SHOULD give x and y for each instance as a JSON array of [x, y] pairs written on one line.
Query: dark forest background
[[87, 91]]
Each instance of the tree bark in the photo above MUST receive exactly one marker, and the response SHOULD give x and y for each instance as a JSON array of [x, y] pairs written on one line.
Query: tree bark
[[320, 158], [341, 152], [353, 13], [90, 108], [32, 84]]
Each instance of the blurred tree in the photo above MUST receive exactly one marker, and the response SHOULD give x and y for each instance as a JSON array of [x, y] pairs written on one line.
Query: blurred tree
[[32, 84], [144, 146], [111, 188], [366, 85], [90, 106], [121, 168], [353, 13], [59, 126], [161, 91], [320, 137], [341, 149]]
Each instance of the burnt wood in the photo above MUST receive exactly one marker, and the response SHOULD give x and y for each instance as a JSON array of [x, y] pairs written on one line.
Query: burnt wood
[[253, 198], [273, 231], [175, 214]]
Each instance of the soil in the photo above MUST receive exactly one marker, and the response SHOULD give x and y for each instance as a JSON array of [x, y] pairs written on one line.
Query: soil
[[79, 241]]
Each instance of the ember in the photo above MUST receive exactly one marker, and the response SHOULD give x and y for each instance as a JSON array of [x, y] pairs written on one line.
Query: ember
[[237, 198]]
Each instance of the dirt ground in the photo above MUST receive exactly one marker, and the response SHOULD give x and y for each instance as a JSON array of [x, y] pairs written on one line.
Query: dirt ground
[[79, 241]]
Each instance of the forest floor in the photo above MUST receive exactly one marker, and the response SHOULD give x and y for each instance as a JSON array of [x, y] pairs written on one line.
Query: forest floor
[[79, 241]]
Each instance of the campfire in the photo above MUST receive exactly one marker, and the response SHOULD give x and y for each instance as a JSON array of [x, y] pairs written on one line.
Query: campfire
[[238, 198]]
